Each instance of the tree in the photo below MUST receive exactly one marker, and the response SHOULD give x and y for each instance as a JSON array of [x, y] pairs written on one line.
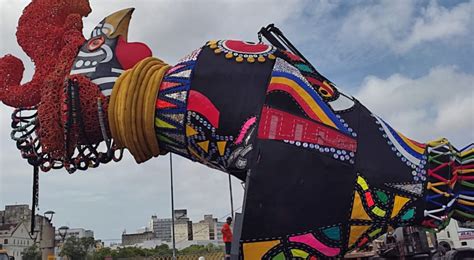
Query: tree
[[75, 248], [200, 249], [102, 253], [162, 250], [31, 253]]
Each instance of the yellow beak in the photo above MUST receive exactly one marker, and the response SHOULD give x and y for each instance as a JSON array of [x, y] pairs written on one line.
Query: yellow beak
[[117, 23]]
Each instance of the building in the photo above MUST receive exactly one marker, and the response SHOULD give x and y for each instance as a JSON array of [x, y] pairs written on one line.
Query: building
[[15, 238], [161, 227], [212, 225], [76, 232], [182, 233], [219, 237], [207, 230], [201, 231], [15, 214], [183, 226], [136, 238], [44, 229]]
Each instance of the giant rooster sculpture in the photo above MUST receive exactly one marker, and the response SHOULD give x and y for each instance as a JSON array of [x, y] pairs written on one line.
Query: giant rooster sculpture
[[323, 174]]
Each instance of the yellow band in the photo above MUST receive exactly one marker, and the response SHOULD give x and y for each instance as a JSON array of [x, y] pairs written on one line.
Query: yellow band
[[132, 108]]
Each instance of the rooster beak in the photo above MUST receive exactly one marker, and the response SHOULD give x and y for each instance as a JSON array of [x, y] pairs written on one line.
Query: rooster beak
[[115, 25]]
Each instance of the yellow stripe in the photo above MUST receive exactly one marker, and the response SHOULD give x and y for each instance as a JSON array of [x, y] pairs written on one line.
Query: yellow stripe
[[466, 152], [413, 146], [465, 202], [362, 183], [307, 98], [464, 171], [447, 195], [163, 124], [438, 142]]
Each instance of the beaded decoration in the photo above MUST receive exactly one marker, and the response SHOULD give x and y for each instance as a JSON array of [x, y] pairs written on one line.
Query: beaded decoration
[[243, 51]]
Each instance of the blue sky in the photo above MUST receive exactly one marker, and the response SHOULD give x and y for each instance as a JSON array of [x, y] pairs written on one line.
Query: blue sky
[[408, 61]]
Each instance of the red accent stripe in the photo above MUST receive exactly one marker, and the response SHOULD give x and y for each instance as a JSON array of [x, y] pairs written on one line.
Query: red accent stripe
[[161, 104], [362, 242], [292, 56], [467, 178], [416, 143], [173, 69], [166, 85], [368, 198], [432, 174], [197, 102], [279, 125]]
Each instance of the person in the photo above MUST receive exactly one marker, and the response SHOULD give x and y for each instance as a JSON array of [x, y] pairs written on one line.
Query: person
[[227, 236]]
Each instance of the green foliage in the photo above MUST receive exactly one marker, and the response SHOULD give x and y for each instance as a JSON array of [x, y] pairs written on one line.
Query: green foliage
[[199, 249], [128, 252], [161, 250], [77, 248], [31, 253]]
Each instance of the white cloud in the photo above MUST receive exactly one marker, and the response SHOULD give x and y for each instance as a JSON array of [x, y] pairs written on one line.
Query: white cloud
[[438, 22], [398, 26], [439, 104], [377, 24]]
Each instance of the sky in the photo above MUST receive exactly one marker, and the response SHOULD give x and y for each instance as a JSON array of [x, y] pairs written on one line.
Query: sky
[[410, 62]]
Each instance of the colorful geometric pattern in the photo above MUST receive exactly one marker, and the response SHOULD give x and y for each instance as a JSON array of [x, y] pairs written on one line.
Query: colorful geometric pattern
[[410, 152], [203, 143], [171, 106], [373, 211], [321, 243], [326, 89], [312, 104], [450, 184]]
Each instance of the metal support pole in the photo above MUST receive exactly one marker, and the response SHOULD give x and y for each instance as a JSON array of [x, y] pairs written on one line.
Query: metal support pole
[[172, 206], [231, 198]]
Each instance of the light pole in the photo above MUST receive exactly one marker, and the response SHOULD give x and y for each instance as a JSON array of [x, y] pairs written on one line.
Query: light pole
[[172, 206], [62, 233], [231, 198]]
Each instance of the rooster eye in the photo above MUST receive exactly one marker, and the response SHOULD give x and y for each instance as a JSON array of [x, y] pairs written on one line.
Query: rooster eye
[[95, 43]]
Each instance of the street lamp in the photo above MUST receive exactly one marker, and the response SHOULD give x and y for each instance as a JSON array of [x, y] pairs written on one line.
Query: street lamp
[[50, 213], [63, 232]]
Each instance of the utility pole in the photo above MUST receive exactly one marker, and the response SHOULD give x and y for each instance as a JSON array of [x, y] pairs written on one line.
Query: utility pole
[[231, 198], [172, 206]]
